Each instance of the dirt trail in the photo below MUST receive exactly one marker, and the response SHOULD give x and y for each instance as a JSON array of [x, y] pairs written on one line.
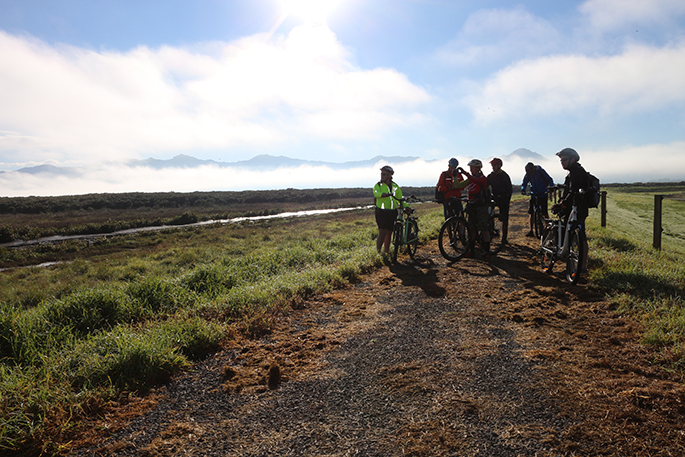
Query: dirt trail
[[424, 358]]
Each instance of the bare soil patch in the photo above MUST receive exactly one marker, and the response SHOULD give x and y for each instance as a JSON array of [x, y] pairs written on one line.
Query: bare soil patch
[[422, 358]]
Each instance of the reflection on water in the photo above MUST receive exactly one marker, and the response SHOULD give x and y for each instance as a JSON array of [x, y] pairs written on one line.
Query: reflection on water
[[53, 239]]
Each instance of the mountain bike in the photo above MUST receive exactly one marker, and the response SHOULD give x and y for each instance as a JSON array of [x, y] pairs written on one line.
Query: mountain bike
[[538, 216], [406, 229], [562, 241], [455, 240]]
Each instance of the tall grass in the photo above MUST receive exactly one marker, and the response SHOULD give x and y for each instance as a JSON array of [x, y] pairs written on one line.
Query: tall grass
[[645, 283], [78, 333]]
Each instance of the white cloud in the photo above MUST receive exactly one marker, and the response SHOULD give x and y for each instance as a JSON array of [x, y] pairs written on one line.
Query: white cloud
[[655, 162], [610, 15], [647, 163], [499, 34], [642, 78], [64, 102]]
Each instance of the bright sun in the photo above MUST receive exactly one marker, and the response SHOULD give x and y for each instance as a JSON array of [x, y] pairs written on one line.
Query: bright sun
[[308, 10]]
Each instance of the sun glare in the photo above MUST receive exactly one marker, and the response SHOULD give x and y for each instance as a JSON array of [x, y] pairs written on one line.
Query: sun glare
[[309, 10]]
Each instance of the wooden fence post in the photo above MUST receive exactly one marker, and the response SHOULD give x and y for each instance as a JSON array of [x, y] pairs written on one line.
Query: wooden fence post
[[657, 221], [603, 208]]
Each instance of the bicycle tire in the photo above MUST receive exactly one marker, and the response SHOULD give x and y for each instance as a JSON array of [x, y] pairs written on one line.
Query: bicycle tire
[[396, 241], [453, 239], [574, 257], [538, 223], [412, 238], [549, 241], [495, 226]]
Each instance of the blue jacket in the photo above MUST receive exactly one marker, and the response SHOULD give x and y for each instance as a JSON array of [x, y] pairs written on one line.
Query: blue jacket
[[538, 182]]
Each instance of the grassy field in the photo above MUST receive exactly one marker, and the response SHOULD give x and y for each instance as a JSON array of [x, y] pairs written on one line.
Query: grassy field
[[646, 283], [118, 316]]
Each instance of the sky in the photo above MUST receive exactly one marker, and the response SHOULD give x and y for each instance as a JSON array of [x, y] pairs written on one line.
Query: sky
[[93, 85]]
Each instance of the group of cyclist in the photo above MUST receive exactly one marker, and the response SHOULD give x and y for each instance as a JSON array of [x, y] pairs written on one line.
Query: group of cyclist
[[480, 190]]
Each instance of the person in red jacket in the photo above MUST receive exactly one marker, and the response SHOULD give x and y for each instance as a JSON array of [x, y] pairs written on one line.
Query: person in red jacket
[[451, 203], [477, 205]]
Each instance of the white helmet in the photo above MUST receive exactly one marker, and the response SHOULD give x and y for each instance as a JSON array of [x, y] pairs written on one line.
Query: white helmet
[[568, 152]]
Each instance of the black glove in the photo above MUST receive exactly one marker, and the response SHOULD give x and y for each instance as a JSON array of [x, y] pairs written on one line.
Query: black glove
[[385, 194]]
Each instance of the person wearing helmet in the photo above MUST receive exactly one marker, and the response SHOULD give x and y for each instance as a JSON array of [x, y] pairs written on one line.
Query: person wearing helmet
[[575, 183], [386, 207], [450, 195], [477, 205], [539, 181], [501, 190]]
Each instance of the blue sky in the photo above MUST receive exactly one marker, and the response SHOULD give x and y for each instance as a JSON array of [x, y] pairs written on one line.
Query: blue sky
[[93, 84]]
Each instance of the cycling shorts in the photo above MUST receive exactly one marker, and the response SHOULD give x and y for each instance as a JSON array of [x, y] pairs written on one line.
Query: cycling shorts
[[478, 217], [385, 218]]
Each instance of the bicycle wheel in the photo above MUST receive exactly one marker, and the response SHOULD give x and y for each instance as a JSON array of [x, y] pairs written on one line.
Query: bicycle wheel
[[495, 226], [575, 254], [453, 239], [396, 241], [547, 251], [539, 223], [412, 238]]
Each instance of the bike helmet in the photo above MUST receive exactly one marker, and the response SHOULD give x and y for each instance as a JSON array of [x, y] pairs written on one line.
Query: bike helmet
[[475, 163], [568, 152], [453, 162], [496, 160], [389, 169]]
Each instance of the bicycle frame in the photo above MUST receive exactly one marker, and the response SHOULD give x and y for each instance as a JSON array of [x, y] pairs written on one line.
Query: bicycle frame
[[406, 230], [455, 238], [558, 243], [563, 231]]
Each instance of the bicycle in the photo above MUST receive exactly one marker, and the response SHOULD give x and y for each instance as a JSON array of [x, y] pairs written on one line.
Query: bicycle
[[538, 216], [562, 241], [454, 239], [406, 229]]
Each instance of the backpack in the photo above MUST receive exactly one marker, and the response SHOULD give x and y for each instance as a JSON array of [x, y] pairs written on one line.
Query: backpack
[[592, 194], [439, 196]]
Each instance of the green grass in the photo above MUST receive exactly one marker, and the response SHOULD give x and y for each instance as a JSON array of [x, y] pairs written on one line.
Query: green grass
[[643, 282], [125, 315]]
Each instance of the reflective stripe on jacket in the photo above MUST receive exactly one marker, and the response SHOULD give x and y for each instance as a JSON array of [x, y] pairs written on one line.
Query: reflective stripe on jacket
[[387, 202]]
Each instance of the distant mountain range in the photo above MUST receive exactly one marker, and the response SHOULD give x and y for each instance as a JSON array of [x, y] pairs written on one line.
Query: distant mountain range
[[263, 162], [260, 162]]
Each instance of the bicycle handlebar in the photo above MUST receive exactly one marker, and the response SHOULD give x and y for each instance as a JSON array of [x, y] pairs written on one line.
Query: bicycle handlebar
[[411, 198]]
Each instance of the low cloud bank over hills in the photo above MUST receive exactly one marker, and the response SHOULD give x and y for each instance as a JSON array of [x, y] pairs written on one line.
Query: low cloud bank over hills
[[184, 173]]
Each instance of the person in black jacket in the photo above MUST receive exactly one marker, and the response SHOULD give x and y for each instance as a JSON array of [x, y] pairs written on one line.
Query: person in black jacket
[[501, 190], [575, 184]]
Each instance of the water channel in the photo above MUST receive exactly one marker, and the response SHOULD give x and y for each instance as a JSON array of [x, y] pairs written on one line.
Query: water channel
[[59, 238]]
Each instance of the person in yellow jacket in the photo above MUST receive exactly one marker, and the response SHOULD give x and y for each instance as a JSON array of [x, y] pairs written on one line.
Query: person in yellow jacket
[[386, 207]]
